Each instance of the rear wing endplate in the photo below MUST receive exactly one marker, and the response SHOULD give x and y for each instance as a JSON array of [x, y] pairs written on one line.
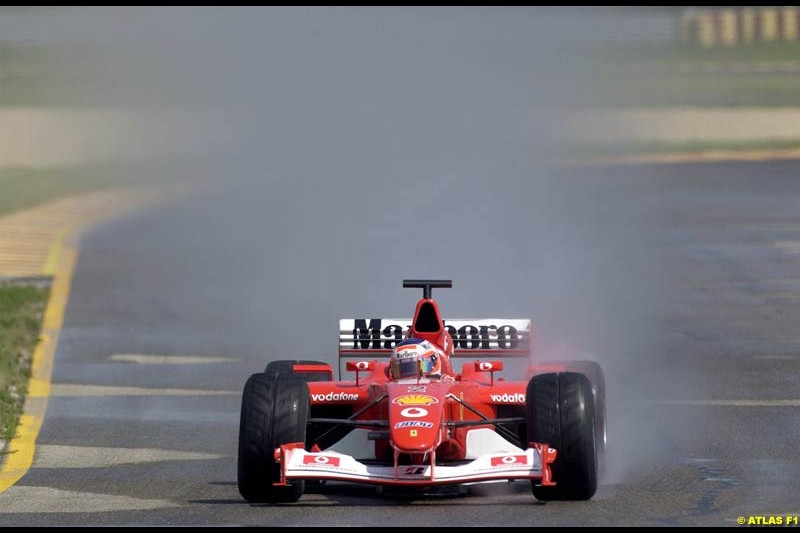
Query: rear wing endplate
[[376, 337]]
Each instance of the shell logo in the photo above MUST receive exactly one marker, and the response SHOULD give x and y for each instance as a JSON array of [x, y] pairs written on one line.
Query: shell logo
[[415, 399]]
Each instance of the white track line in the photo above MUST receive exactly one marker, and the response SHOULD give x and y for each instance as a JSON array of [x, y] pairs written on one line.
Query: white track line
[[70, 389], [56, 456], [27, 499], [144, 359], [789, 247], [735, 403]]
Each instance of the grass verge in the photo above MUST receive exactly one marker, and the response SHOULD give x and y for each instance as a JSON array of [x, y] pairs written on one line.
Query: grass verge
[[21, 309], [681, 53], [21, 306], [676, 89], [656, 75], [23, 188]]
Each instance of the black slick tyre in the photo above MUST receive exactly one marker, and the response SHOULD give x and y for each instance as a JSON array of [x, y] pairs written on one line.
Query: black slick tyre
[[560, 412], [274, 412]]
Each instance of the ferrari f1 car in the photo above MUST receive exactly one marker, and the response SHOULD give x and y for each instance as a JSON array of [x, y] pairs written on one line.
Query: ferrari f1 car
[[424, 424]]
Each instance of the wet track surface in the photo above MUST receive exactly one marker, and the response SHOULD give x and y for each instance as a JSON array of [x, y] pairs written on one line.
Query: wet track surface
[[700, 292]]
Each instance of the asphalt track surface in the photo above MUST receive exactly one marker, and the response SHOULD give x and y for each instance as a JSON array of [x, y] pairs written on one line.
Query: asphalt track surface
[[703, 404]]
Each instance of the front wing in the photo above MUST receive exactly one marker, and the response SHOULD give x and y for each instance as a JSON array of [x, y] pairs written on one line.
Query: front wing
[[533, 463]]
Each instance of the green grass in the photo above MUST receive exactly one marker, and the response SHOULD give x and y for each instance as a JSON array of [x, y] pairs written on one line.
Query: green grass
[[21, 310], [643, 74], [22, 188], [651, 76], [57, 75], [680, 53], [21, 70], [768, 90]]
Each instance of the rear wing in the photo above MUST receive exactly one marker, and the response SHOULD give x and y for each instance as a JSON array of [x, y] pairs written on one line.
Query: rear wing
[[376, 337]]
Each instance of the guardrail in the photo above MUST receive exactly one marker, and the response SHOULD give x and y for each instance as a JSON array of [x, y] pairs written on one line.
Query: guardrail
[[730, 26]]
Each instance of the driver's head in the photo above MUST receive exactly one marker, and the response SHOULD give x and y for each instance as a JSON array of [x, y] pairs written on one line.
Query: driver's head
[[415, 358]]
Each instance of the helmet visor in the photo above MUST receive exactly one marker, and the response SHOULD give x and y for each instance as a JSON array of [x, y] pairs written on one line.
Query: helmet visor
[[428, 365], [405, 368]]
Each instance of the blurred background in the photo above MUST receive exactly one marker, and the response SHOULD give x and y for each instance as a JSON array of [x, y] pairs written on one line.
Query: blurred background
[[665, 79]]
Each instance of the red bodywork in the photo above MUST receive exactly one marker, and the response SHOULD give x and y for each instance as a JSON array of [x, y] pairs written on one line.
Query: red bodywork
[[420, 428]]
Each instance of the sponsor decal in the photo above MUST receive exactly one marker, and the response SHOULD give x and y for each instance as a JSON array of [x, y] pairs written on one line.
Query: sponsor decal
[[415, 399], [413, 424], [335, 397], [412, 433], [508, 460], [362, 365], [485, 367], [414, 412], [474, 338], [414, 470], [407, 352], [321, 460], [371, 334], [417, 388], [517, 397]]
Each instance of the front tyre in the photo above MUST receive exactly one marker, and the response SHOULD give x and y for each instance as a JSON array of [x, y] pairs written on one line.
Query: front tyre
[[274, 412], [593, 371], [561, 414]]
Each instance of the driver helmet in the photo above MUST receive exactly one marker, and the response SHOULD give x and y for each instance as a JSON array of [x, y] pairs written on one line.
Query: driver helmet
[[415, 358]]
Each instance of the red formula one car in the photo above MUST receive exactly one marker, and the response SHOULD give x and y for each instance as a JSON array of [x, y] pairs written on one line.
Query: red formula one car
[[418, 422]]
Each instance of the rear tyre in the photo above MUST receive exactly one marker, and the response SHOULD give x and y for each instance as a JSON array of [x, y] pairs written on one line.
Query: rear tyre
[[286, 366], [274, 412], [561, 414]]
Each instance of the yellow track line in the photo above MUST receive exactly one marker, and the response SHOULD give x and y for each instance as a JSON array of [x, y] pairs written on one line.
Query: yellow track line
[[707, 156], [51, 264], [62, 259]]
